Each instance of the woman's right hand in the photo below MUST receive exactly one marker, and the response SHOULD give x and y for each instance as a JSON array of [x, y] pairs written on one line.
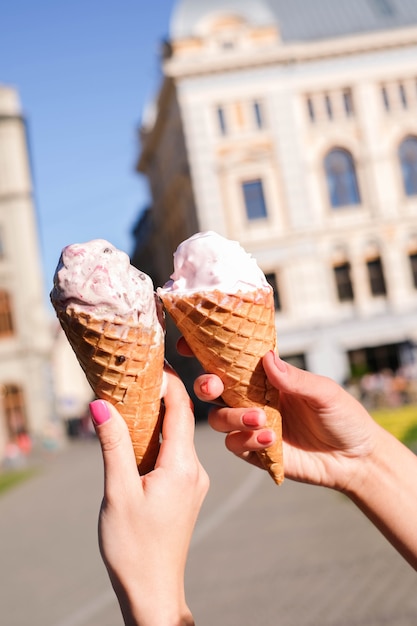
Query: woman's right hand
[[327, 434], [329, 439]]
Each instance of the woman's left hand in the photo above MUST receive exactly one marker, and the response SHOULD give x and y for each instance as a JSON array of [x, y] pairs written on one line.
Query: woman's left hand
[[146, 522]]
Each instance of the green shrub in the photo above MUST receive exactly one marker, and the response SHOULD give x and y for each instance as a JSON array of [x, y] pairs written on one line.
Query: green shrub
[[10, 478], [400, 421]]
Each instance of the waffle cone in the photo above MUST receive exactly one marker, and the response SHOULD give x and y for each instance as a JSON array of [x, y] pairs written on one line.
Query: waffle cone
[[229, 334], [123, 363]]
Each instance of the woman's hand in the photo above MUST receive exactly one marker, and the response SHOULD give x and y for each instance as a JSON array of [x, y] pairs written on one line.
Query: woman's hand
[[329, 439], [324, 428], [146, 522]]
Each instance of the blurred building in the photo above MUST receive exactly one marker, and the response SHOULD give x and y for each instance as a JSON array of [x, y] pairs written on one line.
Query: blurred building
[[291, 126], [72, 393], [25, 390]]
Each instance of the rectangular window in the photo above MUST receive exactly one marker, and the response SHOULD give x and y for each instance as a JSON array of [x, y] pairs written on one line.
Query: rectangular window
[[272, 280], [376, 277], [385, 98], [403, 96], [259, 120], [413, 264], [329, 109], [253, 195], [348, 103], [343, 282], [311, 111], [221, 120], [6, 319]]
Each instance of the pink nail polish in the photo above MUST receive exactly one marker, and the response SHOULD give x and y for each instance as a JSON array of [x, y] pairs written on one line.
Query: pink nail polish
[[251, 419], [265, 438], [99, 412]]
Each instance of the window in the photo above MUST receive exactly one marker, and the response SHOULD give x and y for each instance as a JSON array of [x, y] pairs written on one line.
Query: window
[[413, 264], [348, 102], [385, 98], [227, 44], [376, 277], [253, 195], [257, 109], [14, 409], [343, 282], [408, 160], [334, 106], [6, 320], [221, 120], [341, 178], [403, 95], [272, 280], [329, 108], [298, 360], [311, 111]]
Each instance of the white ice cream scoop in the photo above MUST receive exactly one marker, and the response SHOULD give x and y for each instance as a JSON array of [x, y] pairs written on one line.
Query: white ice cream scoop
[[209, 261]]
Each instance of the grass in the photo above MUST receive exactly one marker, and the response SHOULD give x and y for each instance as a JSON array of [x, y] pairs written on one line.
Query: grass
[[400, 421], [10, 478]]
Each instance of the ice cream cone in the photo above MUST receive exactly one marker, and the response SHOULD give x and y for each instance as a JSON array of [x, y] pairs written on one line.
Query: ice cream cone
[[229, 334], [123, 362]]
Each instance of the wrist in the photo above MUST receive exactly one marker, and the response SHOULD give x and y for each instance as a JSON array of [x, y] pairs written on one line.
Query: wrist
[[368, 470], [386, 491], [156, 607], [157, 616]]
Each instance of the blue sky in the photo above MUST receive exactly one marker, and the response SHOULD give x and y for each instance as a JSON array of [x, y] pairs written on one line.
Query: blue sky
[[84, 70]]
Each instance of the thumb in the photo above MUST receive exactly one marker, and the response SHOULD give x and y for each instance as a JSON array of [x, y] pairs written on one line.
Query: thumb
[[116, 447], [293, 380]]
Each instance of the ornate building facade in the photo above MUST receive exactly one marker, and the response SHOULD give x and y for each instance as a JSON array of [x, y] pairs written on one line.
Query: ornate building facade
[[25, 389], [292, 128]]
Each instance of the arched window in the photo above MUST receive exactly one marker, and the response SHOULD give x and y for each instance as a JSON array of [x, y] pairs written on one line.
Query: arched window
[[14, 410], [407, 153], [6, 317], [341, 178]]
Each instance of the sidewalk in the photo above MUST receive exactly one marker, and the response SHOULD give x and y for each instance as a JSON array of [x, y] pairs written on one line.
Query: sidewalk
[[262, 555]]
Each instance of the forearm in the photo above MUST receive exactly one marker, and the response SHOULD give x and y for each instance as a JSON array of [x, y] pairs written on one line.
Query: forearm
[[386, 491]]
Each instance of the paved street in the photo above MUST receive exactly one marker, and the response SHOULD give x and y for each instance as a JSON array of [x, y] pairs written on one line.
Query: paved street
[[261, 555]]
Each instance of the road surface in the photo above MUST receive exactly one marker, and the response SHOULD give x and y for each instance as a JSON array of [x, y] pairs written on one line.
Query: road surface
[[261, 555]]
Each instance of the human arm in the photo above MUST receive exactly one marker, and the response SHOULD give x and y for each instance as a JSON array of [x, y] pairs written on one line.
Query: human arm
[[146, 522], [329, 439]]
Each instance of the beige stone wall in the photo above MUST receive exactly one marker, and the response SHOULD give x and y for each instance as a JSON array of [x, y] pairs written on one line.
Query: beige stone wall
[[303, 236], [25, 352]]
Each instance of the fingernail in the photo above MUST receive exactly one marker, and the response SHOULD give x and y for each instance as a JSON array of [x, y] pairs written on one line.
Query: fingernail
[[265, 438], [252, 419], [204, 387], [281, 365], [99, 412]]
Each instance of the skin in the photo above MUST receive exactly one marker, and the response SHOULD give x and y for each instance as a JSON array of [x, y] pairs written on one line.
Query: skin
[[146, 522], [329, 439]]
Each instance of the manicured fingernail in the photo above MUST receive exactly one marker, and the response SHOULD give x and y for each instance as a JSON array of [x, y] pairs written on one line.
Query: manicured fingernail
[[252, 419], [278, 362], [265, 438], [99, 412]]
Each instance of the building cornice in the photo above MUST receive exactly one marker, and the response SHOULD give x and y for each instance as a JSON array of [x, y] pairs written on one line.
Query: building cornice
[[184, 66]]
